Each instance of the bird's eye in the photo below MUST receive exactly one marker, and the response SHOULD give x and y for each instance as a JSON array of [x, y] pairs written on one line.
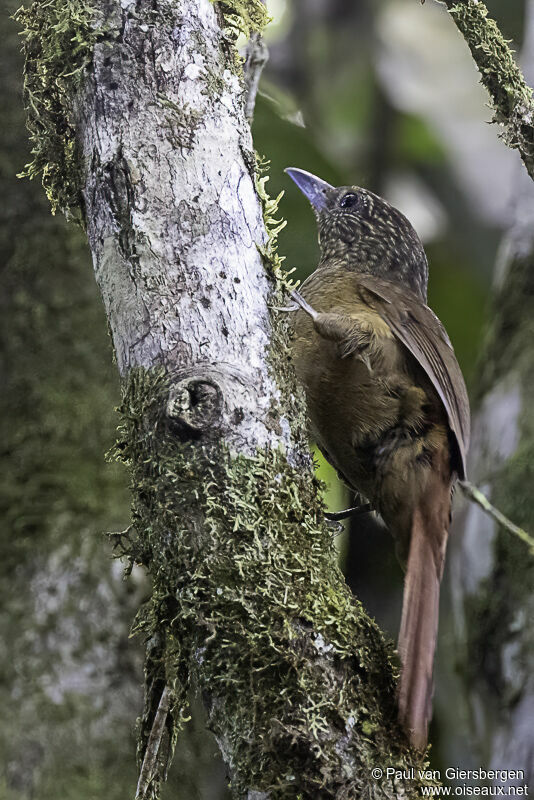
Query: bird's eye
[[348, 200]]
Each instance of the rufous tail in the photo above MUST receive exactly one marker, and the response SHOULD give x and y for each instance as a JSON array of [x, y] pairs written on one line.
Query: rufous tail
[[420, 606]]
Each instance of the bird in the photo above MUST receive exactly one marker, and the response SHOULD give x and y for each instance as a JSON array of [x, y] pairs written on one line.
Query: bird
[[386, 401]]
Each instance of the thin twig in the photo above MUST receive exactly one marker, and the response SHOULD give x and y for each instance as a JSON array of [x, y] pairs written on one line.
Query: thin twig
[[257, 56], [474, 494], [152, 748]]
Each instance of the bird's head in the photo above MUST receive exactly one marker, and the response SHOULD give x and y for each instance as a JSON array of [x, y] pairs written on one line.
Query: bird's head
[[364, 232]]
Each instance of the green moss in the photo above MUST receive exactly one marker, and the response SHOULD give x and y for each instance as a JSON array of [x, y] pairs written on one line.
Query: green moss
[[244, 16], [273, 226], [59, 37], [248, 600], [510, 95], [498, 70]]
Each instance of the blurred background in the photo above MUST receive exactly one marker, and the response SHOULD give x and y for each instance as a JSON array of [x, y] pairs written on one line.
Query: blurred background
[[379, 93]]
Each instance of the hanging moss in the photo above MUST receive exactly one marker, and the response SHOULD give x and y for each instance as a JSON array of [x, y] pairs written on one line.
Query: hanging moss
[[59, 37]]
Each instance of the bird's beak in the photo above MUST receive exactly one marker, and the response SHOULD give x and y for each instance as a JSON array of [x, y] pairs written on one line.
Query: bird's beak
[[314, 188]]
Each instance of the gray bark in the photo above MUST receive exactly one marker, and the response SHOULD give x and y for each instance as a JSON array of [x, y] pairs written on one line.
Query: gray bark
[[185, 289], [70, 688]]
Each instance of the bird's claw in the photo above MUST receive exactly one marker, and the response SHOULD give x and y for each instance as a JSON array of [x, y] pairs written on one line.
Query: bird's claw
[[298, 298], [334, 526], [293, 307], [337, 516]]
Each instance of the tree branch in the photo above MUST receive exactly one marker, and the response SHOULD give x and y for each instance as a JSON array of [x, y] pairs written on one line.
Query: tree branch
[[490, 572], [257, 56], [474, 494], [511, 97], [247, 602], [149, 765]]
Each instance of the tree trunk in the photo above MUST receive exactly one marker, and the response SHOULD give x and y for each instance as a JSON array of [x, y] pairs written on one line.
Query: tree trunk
[[69, 686], [492, 572], [142, 129]]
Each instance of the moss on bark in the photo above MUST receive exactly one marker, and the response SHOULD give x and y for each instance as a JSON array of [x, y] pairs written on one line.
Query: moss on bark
[[59, 37], [244, 16], [500, 643], [248, 600]]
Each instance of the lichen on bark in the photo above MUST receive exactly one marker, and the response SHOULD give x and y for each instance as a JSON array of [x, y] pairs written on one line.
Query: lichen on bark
[[59, 37], [247, 600], [244, 16]]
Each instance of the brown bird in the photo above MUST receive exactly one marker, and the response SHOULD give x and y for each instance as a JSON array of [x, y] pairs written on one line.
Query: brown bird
[[386, 400]]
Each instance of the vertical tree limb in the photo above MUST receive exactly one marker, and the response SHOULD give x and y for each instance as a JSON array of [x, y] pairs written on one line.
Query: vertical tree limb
[[256, 57], [68, 674], [492, 573], [247, 602]]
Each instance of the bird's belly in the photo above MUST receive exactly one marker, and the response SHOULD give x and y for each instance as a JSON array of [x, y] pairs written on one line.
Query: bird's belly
[[349, 407], [367, 422]]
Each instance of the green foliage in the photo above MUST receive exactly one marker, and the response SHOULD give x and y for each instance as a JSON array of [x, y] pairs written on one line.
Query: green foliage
[[59, 37], [415, 142], [459, 298], [247, 598]]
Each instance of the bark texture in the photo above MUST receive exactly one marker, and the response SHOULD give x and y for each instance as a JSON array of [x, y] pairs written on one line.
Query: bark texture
[[246, 599], [492, 571]]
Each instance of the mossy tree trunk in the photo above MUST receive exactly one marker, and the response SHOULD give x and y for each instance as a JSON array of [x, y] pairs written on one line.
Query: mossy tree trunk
[[140, 131], [69, 685], [492, 572]]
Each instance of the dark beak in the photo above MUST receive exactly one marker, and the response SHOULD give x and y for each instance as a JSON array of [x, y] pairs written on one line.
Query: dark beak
[[314, 188]]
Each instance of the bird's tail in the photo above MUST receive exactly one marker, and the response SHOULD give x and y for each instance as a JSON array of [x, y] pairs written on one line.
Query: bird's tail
[[420, 606]]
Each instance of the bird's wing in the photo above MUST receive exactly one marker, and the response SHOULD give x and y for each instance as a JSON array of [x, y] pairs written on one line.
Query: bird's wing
[[421, 332]]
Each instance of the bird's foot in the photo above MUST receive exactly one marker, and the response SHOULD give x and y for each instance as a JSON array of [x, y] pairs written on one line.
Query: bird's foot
[[335, 528], [292, 307], [298, 298]]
